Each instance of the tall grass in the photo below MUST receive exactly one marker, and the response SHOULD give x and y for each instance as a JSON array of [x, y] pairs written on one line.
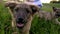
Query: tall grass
[[39, 26], [5, 20]]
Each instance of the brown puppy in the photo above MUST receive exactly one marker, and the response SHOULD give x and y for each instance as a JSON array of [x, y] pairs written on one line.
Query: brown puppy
[[22, 15], [55, 14]]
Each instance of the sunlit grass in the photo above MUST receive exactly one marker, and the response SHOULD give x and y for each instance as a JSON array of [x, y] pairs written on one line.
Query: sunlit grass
[[48, 7]]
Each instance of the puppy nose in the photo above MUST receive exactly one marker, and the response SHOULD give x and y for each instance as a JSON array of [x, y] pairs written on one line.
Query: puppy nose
[[20, 20]]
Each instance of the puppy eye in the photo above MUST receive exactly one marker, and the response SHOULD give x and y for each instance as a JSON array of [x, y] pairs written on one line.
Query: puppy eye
[[16, 9], [57, 12], [27, 10]]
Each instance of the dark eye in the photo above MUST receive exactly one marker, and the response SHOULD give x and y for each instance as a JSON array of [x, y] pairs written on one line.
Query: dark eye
[[57, 12], [27, 10], [16, 9]]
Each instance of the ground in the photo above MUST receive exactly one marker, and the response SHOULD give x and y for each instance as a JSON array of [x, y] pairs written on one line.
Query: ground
[[39, 26]]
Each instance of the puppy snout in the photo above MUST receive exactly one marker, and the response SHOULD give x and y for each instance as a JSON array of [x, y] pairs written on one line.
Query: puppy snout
[[20, 20]]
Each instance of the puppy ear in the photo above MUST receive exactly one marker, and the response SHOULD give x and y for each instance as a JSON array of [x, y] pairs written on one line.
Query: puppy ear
[[54, 8], [34, 8], [10, 5]]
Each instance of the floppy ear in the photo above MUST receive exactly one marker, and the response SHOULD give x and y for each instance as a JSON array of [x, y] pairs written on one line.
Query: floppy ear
[[10, 5], [54, 8], [34, 8]]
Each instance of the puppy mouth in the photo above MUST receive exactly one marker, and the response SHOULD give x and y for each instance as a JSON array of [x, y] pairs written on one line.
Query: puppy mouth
[[57, 15], [20, 24]]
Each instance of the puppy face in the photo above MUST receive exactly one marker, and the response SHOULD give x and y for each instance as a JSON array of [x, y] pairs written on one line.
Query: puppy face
[[57, 11], [22, 12]]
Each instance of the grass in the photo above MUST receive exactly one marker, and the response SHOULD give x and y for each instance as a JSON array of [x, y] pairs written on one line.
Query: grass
[[39, 26], [48, 7], [5, 19]]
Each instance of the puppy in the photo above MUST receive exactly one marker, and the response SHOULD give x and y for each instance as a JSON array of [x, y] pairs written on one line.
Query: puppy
[[55, 14], [22, 15]]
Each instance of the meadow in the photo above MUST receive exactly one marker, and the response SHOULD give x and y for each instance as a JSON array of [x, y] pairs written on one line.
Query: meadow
[[39, 26]]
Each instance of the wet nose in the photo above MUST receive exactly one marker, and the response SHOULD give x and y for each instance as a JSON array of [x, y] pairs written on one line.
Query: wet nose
[[20, 20]]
